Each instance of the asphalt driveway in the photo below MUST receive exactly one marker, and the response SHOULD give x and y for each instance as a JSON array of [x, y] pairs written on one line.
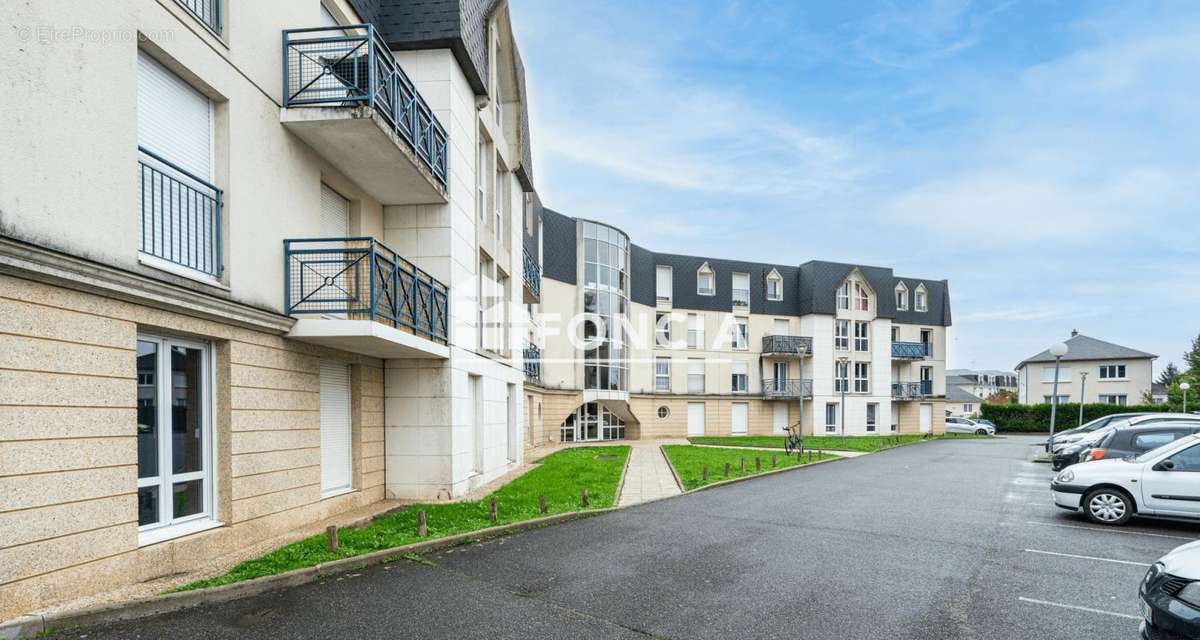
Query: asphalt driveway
[[947, 539]]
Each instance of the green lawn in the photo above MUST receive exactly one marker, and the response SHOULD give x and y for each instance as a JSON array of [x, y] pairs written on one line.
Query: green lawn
[[559, 476], [689, 463], [853, 443]]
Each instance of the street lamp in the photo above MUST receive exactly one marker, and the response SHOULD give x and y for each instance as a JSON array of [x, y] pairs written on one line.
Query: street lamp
[[1184, 386], [844, 367], [1058, 351], [1082, 394]]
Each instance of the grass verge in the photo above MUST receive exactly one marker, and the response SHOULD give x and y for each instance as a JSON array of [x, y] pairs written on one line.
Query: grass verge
[[833, 443], [689, 463], [559, 476]]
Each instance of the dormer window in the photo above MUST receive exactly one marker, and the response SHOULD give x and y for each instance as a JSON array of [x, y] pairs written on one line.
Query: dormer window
[[843, 297], [921, 299], [774, 286], [862, 298], [901, 297], [705, 281]]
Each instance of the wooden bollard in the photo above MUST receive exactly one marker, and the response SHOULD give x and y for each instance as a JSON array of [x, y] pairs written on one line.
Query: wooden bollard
[[542, 503], [704, 473], [422, 530], [742, 464], [492, 509], [757, 464], [331, 538], [583, 497], [726, 469], [772, 460], [810, 455]]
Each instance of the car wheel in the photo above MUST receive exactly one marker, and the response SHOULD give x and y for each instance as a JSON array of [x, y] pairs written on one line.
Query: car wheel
[[1108, 506], [1057, 465], [981, 432]]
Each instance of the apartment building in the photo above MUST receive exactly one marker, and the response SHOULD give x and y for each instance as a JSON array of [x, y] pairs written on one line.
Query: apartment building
[[983, 383], [259, 264], [1092, 371], [671, 345]]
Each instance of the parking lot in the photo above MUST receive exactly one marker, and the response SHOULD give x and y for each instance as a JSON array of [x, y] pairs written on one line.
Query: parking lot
[[948, 539]]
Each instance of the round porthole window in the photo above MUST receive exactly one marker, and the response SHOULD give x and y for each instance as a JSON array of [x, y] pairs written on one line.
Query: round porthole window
[[663, 412]]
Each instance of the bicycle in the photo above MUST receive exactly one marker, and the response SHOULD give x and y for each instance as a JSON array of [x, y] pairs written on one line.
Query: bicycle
[[794, 442]]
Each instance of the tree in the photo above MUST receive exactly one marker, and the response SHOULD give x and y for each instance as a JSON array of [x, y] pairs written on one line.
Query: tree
[[1192, 357], [1167, 375], [1003, 396]]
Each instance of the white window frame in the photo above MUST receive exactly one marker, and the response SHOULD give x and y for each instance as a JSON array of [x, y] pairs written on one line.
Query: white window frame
[[659, 272], [872, 416], [774, 286], [695, 331], [921, 299], [831, 426], [841, 335], [741, 334], [1112, 372], [662, 374], [862, 377], [1064, 373], [706, 272], [1120, 399], [739, 377], [901, 297], [662, 330], [696, 373], [166, 529], [744, 278], [843, 296], [1062, 398], [862, 297], [862, 336], [841, 377]]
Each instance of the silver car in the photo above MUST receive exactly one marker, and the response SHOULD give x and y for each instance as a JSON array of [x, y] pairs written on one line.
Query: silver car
[[966, 425]]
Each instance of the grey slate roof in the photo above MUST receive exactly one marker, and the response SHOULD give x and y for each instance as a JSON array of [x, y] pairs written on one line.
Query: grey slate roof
[[808, 288], [1082, 347], [953, 380], [954, 394]]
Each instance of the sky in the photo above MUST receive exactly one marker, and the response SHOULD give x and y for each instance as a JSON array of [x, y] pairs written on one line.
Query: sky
[[1044, 157]]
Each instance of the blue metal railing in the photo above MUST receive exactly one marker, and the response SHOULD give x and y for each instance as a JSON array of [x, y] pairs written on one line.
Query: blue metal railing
[[787, 344], [180, 214], [785, 388], [741, 297], [909, 390], [533, 275], [206, 11], [533, 363], [914, 350], [361, 277], [351, 65]]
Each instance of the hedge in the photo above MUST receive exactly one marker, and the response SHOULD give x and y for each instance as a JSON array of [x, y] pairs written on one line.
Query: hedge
[[1036, 417]]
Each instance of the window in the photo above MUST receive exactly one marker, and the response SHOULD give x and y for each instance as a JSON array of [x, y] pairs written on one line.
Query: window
[[968, 407], [695, 331], [741, 290], [920, 299], [1062, 399], [501, 313], [739, 377], [862, 331], [662, 374], [843, 296], [209, 12], [481, 176], [662, 329], [1064, 373], [1113, 399], [901, 297], [895, 333], [704, 281], [174, 437], [178, 204], [664, 412], [1153, 440], [1187, 460], [741, 333], [841, 335], [841, 376], [1112, 371], [695, 375], [489, 330], [862, 297], [663, 283], [336, 441], [872, 412], [831, 416], [862, 374], [774, 286], [500, 193]]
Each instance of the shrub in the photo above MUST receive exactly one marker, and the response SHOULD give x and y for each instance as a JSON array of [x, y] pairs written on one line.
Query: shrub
[[1035, 418]]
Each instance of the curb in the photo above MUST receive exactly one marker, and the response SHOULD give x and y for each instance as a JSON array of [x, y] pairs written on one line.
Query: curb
[[674, 474], [742, 478], [30, 626]]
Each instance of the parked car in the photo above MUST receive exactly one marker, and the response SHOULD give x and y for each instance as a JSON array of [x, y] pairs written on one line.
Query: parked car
[[1162, 482], [1071, 435], [1170, 595], [986, 422], [1125, 437], [966, 425]]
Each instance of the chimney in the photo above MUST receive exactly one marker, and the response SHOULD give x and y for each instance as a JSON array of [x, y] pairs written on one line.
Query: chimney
[[1074, 332]]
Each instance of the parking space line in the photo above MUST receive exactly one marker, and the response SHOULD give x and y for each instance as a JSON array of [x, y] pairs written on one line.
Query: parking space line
[[1128, 533], [1079, 608], [1072, 555]]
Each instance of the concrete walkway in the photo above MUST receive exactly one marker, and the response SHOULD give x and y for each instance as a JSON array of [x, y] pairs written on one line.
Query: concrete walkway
[[648, 476]]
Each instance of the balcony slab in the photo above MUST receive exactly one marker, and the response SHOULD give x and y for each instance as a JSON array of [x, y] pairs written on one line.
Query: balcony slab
[[366, 337]]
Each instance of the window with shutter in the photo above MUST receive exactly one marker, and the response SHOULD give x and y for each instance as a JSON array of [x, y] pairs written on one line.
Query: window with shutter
[[336, 443]]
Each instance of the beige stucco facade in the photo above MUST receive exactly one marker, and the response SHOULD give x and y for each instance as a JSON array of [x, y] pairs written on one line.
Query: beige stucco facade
[[1035, 381]]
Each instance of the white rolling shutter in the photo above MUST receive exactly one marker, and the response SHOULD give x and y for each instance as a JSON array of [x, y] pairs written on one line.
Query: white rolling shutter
[[335, 214], [739, 418], [336, 444], [662, 277], [173, 119], [695, 419]]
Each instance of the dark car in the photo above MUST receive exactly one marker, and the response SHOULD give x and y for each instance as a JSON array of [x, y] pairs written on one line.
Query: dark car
[[1170, 596], [1126, 436], [1088, 427]]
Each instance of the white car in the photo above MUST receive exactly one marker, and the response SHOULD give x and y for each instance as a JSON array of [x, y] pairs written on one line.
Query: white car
[[1163, 482], [966, 425]]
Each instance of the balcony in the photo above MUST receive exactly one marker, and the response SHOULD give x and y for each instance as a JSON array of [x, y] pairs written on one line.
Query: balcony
[[533, 280], [786, 388], [206, 11], [741, 298], [798, 346], [180, 215], [912, 390], [345, 95], [910, 350], [358, 295], [533, 364]]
